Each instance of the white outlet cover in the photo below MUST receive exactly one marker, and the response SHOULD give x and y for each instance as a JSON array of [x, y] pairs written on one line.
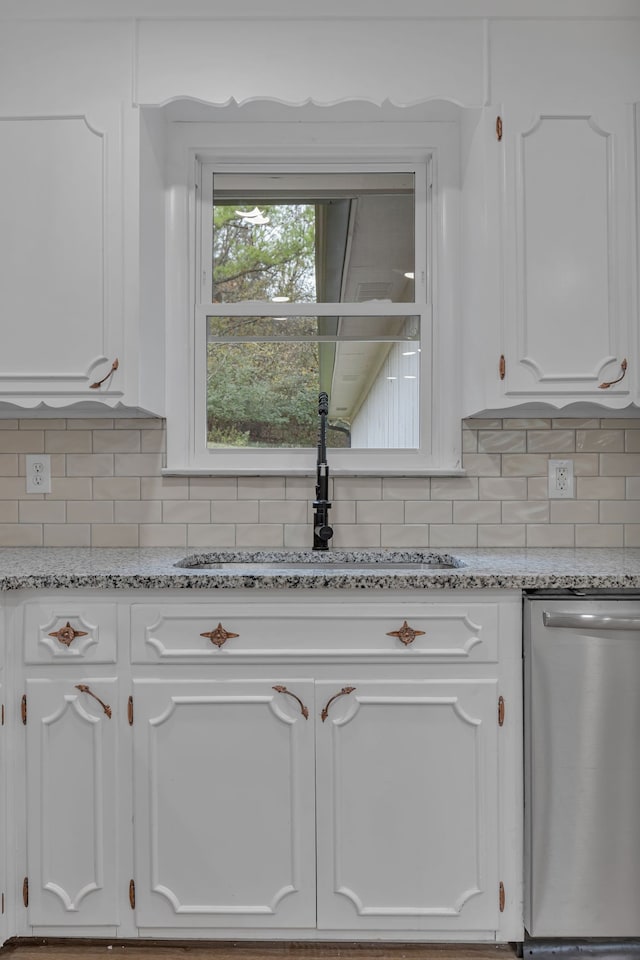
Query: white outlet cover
[[561, 483], [38, 467]]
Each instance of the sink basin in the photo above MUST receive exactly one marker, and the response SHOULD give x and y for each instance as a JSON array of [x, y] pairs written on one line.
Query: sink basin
[[341, 561]]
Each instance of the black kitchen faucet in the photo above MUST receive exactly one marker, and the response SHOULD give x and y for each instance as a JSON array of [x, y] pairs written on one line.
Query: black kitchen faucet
[[322, 532]]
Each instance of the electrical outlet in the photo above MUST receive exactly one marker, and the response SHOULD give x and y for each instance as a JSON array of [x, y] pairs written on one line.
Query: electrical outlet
[[560, 479], [38, 473]]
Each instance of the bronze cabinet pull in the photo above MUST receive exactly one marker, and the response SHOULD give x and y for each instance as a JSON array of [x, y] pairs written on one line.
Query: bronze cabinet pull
[[610, 383], [83, 688], [219, 635], [342, 693], [303, 710], [98, 383], [67, 634], [406, 634]]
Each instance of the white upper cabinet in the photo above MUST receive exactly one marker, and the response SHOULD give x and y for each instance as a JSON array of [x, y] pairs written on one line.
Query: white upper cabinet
[[557, 294], [69, 187], [61, 261]]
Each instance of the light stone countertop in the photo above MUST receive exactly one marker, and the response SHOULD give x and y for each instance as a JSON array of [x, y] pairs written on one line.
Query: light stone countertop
[[155, 568]]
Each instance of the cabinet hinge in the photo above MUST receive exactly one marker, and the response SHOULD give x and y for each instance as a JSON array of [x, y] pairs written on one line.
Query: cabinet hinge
[[132, 894], [130, 711], [23, 708], [501, 896], [500, 711], [498, 128], [25, 891], [502, 366]]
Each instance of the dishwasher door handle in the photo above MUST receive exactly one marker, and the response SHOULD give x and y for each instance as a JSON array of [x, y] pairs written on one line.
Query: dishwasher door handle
[[589, 621]]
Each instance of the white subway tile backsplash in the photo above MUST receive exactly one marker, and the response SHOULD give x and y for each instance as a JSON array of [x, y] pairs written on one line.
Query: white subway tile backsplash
[[600, 441], [599, 535], [282, 511], [235, 511], [632, 488], [117, 488], [71, 488], [600, 488], [620, 464], [380, 511], [259, 535], [211, 535], [186, 511], [356, 535], [503, 488], [8, 511], [453, 535], [573, 511], [483, 464], [21, 441], [524, 465], [115, 535], [357, 488], [501, 535], [525, 511], [108, 490], [476, 511], [406, 488], [66, 535], [91, 465], [117, 441], [632, 441], [261, 488], [428, 511], [632, 535], [502, 441], [551, 441], [138, 511], [20, 534], [201, 488], [137, 464], [550, 535], [8, 465], [68, 441], [163, 534], [454, 488], [42, 511], [90, 511], [404, 535]]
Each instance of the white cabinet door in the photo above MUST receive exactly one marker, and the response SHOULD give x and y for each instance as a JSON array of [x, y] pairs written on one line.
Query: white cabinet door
[[224, 810], [61, 257], [569, 260], [407, 806], [72, 802]]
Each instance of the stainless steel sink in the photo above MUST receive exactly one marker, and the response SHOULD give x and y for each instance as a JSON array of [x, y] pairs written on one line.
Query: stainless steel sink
[[340, 561]]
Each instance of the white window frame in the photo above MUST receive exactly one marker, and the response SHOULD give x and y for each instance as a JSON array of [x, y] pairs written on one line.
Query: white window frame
[[187, 453]]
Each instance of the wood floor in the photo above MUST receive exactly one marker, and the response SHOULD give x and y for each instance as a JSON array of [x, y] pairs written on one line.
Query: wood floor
[[252, 951]]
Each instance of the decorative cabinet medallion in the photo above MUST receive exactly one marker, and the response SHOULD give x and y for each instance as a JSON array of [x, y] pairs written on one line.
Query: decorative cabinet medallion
[[219, 636], [67, 634], [406, 634]]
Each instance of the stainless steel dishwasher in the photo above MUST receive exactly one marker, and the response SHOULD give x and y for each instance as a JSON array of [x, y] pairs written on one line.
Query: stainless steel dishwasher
[[582, 765]]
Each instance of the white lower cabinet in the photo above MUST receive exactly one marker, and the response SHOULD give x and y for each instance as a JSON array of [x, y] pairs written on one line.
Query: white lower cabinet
[[71, 802], [407, 798], [223, 805], [235, 775]]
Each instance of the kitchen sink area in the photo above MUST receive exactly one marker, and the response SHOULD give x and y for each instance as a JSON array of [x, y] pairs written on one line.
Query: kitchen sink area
[[322, 562]]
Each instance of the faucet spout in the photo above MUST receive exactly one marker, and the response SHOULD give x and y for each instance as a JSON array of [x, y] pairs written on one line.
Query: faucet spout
[[322, 532]]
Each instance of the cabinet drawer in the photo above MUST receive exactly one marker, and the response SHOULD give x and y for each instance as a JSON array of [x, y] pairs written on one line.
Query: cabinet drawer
[[234, 632], [63, 630]]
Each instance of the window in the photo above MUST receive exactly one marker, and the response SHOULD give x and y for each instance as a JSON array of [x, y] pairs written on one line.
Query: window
[[311, 271]]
